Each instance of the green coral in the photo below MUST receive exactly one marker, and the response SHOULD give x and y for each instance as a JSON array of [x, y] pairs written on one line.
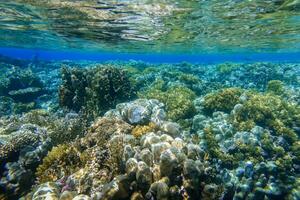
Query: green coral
[[189, 79], [271, 111], [276, 87], [72, 90], [244, 151], [133, 73], [61, 161], [222, 100], [296, 151], [107, 87], [214, 151], [267, 110], [183, 78], [177, 99], [230, 160], [144, 76], [149, 70], [60, 129], [226, 68], [39, 117]]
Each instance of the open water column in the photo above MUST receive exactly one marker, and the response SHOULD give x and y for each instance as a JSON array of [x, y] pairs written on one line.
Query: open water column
[[150, 99]]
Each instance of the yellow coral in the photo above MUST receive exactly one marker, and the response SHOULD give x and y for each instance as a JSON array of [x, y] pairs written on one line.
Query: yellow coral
[[61, 161], [140, 130]]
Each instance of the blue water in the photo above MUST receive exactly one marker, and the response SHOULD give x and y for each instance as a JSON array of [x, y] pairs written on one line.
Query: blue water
[[75, 55]]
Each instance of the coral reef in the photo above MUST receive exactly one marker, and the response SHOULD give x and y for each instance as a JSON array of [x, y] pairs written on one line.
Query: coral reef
[[276, 87], [178, 101], [19, 90], [251, 76], [25, 141], [140, 111], [72, 91], [227, 68], [20, 154], [223, 100], [226, 131], [61, 161], [139, 130], [257, 136], [22, 85], [251, 108], [122, 167], [95, 90], [270, 111]]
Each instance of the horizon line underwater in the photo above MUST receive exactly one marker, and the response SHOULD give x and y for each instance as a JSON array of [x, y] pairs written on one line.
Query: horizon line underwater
[[77, 55], [170, 129]]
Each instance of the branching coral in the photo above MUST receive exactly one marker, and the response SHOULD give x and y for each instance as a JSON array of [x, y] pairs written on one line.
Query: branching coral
[[276, 87], [72, 91], [17, 142], [214, 151], [61, 161], [103, 129], [270, 111], [63, 130], [189, 79], [107, 87], [59, 129], [94, 90], [223, 100]]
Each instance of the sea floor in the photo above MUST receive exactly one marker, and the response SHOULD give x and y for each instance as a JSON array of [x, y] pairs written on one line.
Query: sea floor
[[136, 130]]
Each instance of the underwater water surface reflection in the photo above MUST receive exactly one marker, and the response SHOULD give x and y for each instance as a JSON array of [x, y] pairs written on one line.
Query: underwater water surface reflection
[[152, 26]]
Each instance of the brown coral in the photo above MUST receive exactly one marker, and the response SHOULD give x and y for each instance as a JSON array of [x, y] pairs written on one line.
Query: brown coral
[[140, 130], [61, 161], [103, 129]]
